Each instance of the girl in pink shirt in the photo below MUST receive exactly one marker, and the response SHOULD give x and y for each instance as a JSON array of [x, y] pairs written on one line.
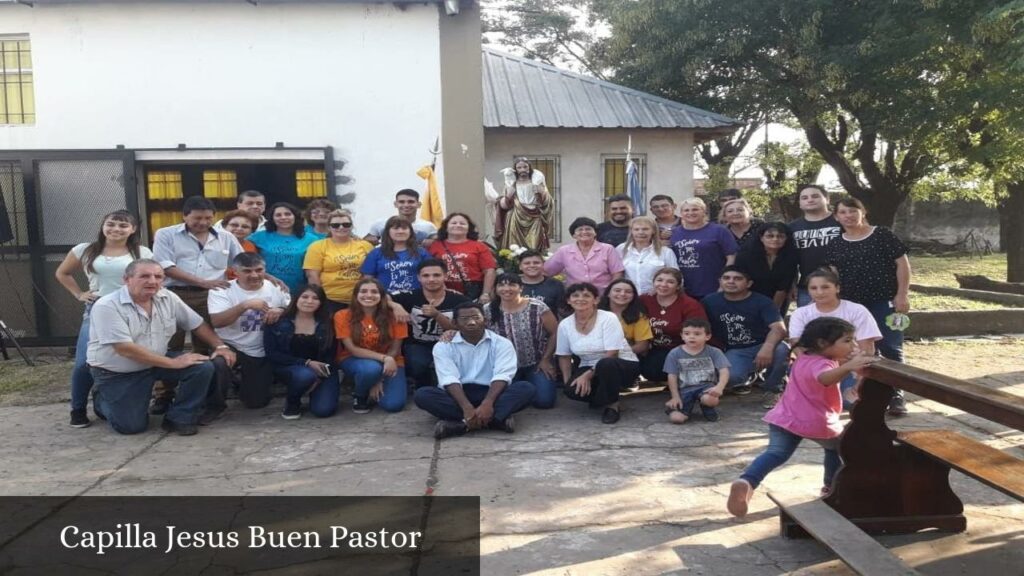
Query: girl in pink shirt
[[809, 407]]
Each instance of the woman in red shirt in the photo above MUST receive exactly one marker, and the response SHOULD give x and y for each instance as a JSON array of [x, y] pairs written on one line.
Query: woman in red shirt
[[667, 309], [371, 348], [471, 265]]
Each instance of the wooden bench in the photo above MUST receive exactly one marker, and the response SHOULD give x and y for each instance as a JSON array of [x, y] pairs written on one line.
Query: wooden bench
[[899, 483], [861, 552]]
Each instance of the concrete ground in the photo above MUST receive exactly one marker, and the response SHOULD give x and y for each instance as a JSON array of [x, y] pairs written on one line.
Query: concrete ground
[[563, 495]]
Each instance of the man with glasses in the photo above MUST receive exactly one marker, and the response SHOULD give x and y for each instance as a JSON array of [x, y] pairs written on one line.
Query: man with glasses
[[663, 208], [407, 201]]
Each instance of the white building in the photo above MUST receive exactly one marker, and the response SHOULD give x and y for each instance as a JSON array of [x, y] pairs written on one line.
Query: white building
[[575, 129], [113, 104]]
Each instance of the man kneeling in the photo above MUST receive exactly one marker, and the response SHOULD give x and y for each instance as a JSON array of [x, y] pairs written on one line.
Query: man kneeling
[[474, 375], [128, 351]]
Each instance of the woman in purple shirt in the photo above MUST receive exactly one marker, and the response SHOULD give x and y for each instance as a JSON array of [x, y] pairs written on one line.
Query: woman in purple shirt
[[586, 260], [702, 248]]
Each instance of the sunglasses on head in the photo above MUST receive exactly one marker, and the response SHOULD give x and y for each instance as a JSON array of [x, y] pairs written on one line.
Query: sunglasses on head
[[337, 225]]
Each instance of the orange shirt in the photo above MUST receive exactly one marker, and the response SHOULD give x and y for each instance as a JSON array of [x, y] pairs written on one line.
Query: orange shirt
[[371, 335]]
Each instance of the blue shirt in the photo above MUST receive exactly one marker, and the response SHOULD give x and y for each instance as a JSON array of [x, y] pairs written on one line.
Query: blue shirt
[[310, 231], [396, 274], [459, 362], [701, 255], [283, 255], [740, 323]]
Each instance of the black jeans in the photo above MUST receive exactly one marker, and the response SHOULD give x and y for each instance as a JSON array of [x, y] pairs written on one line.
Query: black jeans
[[652, 365], [257, 378], [611, 375]]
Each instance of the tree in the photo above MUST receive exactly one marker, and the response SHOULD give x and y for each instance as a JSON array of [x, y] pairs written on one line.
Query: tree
[[867, 82], [786, 167]]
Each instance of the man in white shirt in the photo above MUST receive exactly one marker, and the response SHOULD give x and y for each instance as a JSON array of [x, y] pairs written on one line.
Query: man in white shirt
[[474, 374], [253, 202], [128, 338], [407, 201], [238, 314]]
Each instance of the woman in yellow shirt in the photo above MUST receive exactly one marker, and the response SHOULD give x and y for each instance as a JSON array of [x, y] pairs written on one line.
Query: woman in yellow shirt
[[334, 262], [621, 298]]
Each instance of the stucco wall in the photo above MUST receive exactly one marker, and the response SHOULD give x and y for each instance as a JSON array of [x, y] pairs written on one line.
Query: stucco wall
[[361, 78], [669, 157], [947, 222]]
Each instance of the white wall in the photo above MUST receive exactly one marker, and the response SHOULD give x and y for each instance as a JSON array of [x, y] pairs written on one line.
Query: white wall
[[362, 78], [669, 162]]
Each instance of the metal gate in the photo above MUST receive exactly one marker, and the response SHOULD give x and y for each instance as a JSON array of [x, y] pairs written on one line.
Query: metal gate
[[53, 200]]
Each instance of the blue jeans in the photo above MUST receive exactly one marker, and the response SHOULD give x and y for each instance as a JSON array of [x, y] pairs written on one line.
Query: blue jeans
[[781, 445], [419, 363], [368, 372], [438, 402], [545, 389], [123, 398], [323, 401], [742, 366], [891, 344], [81, 379]]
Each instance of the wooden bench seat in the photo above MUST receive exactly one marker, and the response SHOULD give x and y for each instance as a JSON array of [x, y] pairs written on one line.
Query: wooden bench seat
[[858, 550], [993, 467]]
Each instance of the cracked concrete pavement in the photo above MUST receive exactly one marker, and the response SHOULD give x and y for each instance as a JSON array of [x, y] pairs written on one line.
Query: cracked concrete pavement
[[563, 495]]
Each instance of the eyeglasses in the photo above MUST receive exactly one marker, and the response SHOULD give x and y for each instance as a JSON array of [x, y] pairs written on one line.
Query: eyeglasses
[[774, 236], [337, 225]]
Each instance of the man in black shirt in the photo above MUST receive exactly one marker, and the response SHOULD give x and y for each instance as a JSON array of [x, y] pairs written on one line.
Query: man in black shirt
[[663, 208], [812, 234], [614, 230], [431, 309], [536, 285]]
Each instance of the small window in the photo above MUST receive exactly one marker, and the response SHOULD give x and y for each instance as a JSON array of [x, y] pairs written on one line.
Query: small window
[[17, 95], [551, 168], [164, 194], [310, 183], [615, 174], [219, 184]]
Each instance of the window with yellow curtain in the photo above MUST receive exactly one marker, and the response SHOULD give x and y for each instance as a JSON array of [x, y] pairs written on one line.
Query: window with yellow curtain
[[219, 184], [17, 95], [163, 198], [615, 173], [310, 183]]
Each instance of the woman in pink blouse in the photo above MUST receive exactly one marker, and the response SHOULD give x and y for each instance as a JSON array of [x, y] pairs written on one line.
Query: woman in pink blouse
[[586, 260]]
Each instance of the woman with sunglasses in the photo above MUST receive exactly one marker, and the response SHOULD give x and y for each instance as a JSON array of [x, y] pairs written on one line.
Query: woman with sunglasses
[[394, 262], [335, 262]]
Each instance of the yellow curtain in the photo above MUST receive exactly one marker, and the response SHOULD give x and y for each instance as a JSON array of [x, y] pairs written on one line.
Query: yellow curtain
[[431, 209]]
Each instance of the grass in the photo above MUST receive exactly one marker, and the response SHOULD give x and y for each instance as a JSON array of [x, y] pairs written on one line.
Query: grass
[[939, 270], [23, 384], [923, 302]]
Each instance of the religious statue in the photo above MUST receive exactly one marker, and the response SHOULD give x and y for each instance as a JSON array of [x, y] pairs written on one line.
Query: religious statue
[[525, 209]]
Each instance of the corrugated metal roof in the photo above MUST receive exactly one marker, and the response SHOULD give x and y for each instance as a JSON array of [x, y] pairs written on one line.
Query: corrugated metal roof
[[523, 93]]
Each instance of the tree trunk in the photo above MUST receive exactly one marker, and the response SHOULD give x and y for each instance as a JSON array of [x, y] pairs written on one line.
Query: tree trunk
[[1011, 211]]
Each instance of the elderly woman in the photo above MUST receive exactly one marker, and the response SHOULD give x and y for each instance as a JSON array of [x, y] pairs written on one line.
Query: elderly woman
[[524, 211], [738, 217], [283, 244], [317, 214], [702, 248], [335, 262], [644, 253], [531, 326], [471, 265], [586, 260], [875, 272], [606, 362], [668, 307], [772, 261]]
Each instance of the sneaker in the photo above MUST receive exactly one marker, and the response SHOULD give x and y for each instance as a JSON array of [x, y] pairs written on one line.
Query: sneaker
[[770, 399], [741, 389], [361, 405], [79, 419], [710, 413], [610, 416], [292, 411], [507, 425], [210, 414], [449, 428], [179, 429], [897, 406], [159, 406], [739, 498]]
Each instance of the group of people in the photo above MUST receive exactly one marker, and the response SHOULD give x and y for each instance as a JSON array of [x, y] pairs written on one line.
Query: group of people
[[299, 297]]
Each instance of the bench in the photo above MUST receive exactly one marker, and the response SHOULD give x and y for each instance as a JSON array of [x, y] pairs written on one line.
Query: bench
[[861, 552], [899, 483]]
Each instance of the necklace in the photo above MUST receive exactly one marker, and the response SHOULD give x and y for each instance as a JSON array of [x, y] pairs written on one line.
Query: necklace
[[586, 323]]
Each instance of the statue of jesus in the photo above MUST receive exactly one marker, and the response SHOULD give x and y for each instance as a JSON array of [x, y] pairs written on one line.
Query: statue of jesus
[[525, 209]]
